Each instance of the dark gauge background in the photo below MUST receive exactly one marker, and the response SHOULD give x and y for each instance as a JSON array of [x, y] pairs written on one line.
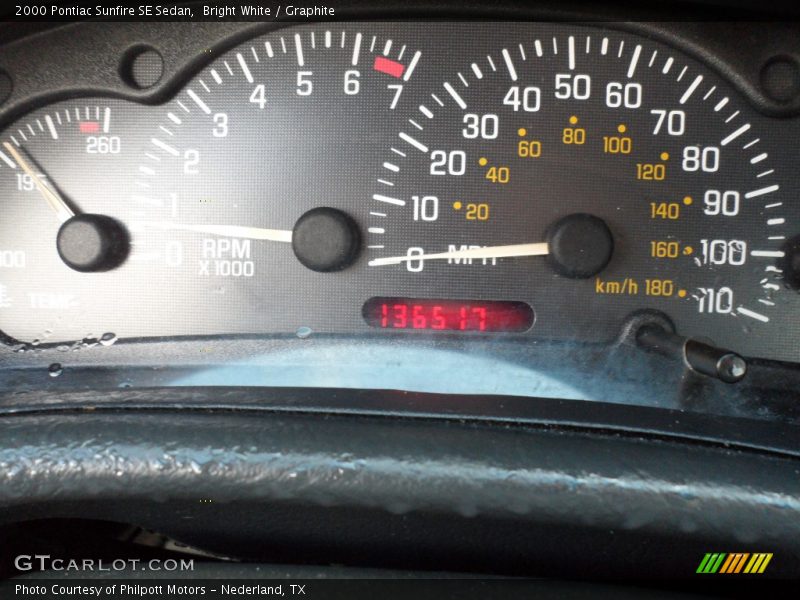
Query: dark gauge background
[[327, 149]]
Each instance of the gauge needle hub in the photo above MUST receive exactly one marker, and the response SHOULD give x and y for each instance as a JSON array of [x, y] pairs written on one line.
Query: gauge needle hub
[[54, 199], [514, 250], [236, 231]]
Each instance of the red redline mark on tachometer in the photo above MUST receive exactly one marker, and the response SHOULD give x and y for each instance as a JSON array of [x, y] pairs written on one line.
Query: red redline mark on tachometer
[[89, 126], [388, 66]]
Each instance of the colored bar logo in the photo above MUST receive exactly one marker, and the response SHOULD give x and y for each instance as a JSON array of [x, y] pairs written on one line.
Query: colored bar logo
[[734, 562]]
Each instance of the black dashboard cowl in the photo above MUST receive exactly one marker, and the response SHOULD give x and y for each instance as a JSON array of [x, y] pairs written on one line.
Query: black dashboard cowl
[[405, 492]]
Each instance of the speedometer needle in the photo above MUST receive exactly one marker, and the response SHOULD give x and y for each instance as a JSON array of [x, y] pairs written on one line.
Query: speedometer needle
[[537, 249], [236, 231], [54, 199]]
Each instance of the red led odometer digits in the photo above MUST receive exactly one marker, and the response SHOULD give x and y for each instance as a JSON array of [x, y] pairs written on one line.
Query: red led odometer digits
[[447, 315]]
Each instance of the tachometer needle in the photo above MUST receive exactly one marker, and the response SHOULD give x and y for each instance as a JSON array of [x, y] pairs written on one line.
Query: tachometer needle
[[537, 249], [236, 231], [54, 199]]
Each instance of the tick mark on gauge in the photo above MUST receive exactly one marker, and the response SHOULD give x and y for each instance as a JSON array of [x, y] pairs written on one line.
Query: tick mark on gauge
[[245, 69], [388, 200], [51, 126], [512, 72], [690, 90], [634, 61], [356, 49], [412, 65], [454, 94], [752, 314], [165, 147], [735, 134], [762, 191], [197, 100], [417, 144], [571, 52], [7, 160]]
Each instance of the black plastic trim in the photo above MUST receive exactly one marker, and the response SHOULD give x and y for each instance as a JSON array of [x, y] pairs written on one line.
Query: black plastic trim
[[398, 492]]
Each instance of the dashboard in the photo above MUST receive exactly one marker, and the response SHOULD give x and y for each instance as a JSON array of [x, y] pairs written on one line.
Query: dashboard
[[562, 192], [528, 215]]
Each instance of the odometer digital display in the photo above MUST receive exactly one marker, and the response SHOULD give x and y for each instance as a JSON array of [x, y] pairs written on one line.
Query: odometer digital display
[[448, 315]]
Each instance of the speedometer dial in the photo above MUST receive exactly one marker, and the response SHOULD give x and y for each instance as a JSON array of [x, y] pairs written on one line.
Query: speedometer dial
[[590, 174]]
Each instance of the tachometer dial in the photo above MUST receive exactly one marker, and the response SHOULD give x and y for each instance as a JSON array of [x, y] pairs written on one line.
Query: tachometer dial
[[254, 175], [590, 174], [236, 207]]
